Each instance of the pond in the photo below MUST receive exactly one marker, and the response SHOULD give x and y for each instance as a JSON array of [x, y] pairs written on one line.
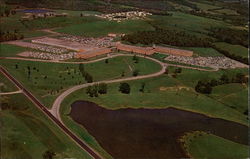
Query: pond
[[149, 133], [35, 10]]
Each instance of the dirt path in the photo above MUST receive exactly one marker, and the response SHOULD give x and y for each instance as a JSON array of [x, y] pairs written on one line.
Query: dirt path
[[9, 93]]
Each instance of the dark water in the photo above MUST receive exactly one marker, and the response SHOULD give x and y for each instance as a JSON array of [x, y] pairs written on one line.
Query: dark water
[[36, 11], [149, 133]]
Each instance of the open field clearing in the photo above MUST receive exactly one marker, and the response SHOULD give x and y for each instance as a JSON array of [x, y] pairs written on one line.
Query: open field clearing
[[200, 145], [6, 85], [47, 80], [204, 52], [103, 27], [28, 133], [187, 22], [10, 50]]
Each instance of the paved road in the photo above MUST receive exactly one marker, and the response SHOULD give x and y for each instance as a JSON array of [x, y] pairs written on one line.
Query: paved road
[[54, 113], [100, 59], [81, 143], [55, 110]]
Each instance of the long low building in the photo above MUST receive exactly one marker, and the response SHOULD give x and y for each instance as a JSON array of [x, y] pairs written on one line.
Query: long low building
[[93, 53], [173, 51], [152, 50], [135, 49]]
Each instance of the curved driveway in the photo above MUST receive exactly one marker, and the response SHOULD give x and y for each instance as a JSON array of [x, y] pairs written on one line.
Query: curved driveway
[[55, 110]]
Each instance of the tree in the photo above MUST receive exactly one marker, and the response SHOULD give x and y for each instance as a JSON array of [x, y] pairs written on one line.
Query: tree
[[142, 87], [102, 88], [48, 154], [88, 78], [81, 68], [135, 59], [166, 71], [107, 61], [224, 79], [123, 74], [135, 72], [178, 70], [241, 78], [214, 82], [124, 88], [203, 87]]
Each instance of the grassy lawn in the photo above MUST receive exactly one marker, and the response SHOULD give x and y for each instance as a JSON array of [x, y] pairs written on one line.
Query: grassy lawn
[[202, 145], [160, 92], [10, 50], [103, 27], [234, 95], [6, 85], [187, 22], [159, 56], [28, 133], [48, 80], [233, 49], [204, 52]]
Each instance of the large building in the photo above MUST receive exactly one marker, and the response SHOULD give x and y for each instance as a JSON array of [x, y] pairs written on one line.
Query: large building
[[135, 49], [152, 50], [93, 53]]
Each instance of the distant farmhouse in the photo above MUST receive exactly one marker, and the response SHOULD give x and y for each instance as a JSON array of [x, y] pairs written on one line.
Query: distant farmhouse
[[30, 14]]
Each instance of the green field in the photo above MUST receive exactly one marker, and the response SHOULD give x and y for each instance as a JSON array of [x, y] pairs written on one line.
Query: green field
[[103, 27], [188, 22], [26, 133], [202, 145], [204, 52], [161, 92], [233, 49], [10, 50], [48, 80], [234, 95], [6, 85]]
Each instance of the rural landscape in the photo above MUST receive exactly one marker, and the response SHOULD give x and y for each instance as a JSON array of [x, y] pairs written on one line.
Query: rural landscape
[[124, 79]]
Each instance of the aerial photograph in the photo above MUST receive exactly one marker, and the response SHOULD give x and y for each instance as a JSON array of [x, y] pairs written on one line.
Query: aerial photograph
[[124, 79]]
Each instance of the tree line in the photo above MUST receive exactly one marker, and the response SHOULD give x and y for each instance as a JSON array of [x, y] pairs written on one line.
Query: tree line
[[206, 86], [232, 36], [85, 74], [239, 58], [9, 36], [168, 37]]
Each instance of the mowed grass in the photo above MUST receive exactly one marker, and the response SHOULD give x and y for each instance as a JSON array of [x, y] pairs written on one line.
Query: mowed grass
[[188, 22], [6, 85], [204, 52], [163, 92], [234, 95], [7, 50], [202, 145], [233, 49], [48, 80], [103, 27], [160, 92], [26, 133]]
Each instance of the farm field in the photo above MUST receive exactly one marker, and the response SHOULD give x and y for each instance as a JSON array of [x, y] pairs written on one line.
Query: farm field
[[47, 83], [200, 145], [27, 133]]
